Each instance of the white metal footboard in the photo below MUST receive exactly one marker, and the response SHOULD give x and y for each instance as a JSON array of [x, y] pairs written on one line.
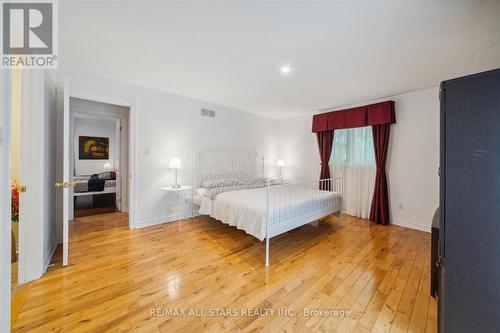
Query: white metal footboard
[[290, 206]]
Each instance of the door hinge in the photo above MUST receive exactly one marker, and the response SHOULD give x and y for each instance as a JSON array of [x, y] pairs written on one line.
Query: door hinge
[[440, 261], [442, 98]]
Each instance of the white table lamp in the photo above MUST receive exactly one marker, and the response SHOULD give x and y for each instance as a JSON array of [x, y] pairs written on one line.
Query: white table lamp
[[280, 164], [107, 166], [175, 163]]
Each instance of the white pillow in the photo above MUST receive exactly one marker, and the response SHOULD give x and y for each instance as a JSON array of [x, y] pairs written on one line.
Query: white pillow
[[201, 191]]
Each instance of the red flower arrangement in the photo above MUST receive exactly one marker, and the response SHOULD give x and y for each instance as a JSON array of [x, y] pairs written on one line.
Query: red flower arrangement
[[14, 203]]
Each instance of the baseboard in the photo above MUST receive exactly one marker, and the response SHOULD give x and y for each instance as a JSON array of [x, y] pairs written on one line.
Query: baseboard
[[411, 225], [172, 218], [161, 220], [48, 257]]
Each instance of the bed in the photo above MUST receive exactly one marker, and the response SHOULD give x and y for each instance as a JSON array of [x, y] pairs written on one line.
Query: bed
[[96, 195], [82, 186], [259, 206]]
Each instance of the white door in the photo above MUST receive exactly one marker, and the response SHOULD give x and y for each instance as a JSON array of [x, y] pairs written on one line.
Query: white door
[[30, 134], [66, 157], [63, 183]]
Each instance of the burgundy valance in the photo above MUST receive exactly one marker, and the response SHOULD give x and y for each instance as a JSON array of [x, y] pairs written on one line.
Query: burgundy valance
[[367, 115]]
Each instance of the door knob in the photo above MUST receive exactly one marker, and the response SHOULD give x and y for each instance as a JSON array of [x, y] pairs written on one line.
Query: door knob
[[65, 185], [21, 189]]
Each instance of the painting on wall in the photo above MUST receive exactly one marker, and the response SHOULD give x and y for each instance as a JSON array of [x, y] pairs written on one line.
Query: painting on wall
[[93, 148]]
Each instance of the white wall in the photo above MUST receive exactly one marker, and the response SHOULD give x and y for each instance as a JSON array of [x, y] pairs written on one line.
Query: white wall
[[99, 128], [412, 164], [298, 149], [169, 125], [413, 159]]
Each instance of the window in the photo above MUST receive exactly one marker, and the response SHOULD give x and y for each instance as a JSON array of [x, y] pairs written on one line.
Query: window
[[354, 158], [353, 146]]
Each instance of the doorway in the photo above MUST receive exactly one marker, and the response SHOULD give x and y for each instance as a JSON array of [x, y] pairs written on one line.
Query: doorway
[[99, 161], [77, 105], [31, 144], [99, 165]]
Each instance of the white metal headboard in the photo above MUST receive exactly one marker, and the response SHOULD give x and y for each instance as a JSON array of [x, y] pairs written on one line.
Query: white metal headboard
[[218, 163]]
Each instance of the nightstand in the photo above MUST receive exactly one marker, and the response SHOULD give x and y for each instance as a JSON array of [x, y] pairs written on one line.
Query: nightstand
[[181, 199]]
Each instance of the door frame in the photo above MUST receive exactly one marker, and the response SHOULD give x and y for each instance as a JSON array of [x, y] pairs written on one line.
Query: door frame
[[5, 178], [132, 168]]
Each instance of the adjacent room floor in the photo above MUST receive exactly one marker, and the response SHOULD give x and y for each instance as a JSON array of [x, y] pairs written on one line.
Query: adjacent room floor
[[13, 277], [379, 276]]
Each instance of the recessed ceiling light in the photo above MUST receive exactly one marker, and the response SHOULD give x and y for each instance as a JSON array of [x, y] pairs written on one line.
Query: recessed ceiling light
[[285, 69]]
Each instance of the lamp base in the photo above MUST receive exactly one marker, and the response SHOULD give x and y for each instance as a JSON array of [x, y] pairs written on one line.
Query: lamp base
[[176, 186]]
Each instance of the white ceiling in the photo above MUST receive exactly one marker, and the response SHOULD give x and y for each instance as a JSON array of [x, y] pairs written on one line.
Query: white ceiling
[[230, 52]]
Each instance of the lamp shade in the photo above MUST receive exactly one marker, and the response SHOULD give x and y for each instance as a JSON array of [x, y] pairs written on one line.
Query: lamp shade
[[175, 163], [107, 166], [280, 163]]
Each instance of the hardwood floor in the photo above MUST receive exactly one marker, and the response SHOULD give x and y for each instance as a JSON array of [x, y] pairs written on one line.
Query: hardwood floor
[[94, 211], [13, 277], [378, 276]]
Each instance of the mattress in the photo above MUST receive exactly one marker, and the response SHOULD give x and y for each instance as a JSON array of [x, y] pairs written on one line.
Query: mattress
[[246, 209]]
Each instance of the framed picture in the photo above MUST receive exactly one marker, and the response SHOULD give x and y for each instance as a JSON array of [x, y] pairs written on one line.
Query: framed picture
[[93, 148]]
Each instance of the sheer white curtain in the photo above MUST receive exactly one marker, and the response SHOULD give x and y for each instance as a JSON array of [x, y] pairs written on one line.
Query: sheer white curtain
[[353, 155]]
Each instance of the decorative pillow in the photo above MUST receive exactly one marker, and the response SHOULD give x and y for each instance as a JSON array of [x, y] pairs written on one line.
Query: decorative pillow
[[232, 181], [201, 191], [219, 182], [212, 193]]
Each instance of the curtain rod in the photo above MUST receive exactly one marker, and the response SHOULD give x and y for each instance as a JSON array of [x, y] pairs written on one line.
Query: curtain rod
[[378, 99], [346, 106]]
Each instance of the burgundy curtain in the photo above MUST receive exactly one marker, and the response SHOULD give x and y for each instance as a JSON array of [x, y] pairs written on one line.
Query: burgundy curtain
[[325, 144], [379, 212]]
